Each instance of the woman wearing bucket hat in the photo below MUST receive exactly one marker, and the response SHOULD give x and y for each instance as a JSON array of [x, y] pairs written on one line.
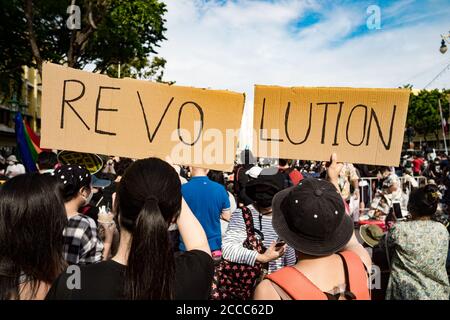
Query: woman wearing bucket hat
[[311, 218]]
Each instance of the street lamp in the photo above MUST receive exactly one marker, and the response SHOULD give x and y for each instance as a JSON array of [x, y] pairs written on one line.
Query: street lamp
[[445, 38], [14, 104]]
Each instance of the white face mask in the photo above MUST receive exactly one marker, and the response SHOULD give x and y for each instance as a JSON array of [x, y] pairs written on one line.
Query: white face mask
[[88, 199]]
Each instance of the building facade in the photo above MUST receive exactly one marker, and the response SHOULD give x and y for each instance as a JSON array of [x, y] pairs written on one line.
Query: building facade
[[24, 97]]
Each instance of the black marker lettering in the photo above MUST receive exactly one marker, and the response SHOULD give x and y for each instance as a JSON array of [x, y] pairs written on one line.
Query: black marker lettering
[[149, 134], [325, 116], [286, 122], [373, 115], [200, 111], [365, 124], [262, 125], [335, 143], [98, 109], [64, 101]]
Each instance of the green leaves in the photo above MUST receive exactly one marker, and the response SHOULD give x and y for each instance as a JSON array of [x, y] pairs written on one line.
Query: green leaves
[[140, 69], [130, 31], [423, 112], [112, 32]]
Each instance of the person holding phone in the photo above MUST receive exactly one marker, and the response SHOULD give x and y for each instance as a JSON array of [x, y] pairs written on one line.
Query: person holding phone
[[278, 254], [384, 199], [395, 214], [279, 244], [331, 263]]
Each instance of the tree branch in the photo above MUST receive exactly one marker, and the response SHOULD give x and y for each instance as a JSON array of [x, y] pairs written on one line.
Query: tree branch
[[32, 35], [80, 38]]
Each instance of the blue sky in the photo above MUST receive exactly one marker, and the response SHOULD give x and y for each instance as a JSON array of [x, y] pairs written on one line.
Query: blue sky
[[327, 27], [235, 44]]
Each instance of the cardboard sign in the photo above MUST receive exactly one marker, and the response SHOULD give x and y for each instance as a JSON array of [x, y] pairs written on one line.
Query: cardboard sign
[[92, 162], [92, 113], [361, 125]]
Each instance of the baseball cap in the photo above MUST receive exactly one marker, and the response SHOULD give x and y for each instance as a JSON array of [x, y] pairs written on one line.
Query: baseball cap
[[100, 183]]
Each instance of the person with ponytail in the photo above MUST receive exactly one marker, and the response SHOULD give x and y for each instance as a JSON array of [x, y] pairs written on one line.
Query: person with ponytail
[[32, 221], [417, 251], [145, 267]]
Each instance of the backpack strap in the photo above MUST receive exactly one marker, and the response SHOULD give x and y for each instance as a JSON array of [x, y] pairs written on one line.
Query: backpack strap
[[358, 281], [237, 174], [236, 180], [251, 239], [247, 215], [296, 284]]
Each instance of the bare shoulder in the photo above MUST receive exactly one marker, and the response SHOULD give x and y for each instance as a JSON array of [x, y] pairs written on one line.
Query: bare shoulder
[[265, 291]]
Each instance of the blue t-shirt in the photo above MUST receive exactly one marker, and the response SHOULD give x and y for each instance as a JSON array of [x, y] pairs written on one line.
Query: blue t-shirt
[[207, 199]]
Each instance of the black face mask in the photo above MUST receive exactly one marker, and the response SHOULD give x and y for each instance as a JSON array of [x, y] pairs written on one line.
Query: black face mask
[[264, 200], [264, 204]]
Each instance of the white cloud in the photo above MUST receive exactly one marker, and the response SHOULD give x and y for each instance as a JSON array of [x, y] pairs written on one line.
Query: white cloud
[[241, 43]]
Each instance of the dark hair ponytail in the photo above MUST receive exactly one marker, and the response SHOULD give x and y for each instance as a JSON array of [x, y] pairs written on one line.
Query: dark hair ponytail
[[144, 278], [424, 201], [148, 200]]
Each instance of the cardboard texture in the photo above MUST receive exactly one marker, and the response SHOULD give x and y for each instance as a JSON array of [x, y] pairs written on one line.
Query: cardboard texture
[[361, 125], [92, 113]]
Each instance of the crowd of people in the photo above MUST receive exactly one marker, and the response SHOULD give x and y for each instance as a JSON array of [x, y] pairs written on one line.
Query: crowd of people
[[272, 229]]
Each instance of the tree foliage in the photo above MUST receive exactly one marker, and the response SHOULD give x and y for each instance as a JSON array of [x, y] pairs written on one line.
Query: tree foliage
[[423, 112], [13, 41], [111, 32], [139, 69]]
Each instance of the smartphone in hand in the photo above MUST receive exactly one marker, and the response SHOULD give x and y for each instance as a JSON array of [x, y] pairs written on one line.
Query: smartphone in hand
[[280, 243], [398, 210]]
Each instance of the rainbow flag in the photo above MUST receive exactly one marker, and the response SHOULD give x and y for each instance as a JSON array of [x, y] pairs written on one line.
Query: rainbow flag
[[28, 143]]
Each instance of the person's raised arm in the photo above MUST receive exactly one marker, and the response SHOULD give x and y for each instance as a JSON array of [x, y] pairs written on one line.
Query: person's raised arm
[[353, 245], [355, 183], [109, 236], [333, 171], [191, 231]]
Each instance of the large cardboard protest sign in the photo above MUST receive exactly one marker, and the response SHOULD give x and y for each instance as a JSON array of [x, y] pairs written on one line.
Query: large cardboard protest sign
[[362, 125], [93, 113]]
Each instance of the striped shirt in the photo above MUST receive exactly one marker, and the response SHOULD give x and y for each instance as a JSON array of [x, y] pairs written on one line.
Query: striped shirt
[[234, 251]]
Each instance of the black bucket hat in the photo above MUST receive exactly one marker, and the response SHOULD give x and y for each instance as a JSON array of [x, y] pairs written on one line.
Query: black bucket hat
[[311, 218], [268, 183]]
